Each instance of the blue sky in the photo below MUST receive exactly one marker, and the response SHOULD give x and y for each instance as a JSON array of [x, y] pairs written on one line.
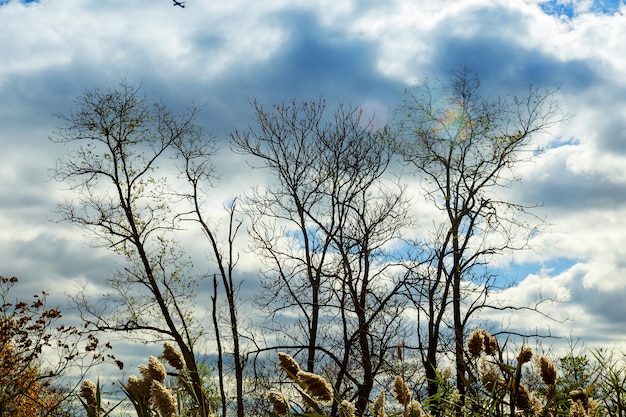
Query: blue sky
[[570, 8], [223, 54]]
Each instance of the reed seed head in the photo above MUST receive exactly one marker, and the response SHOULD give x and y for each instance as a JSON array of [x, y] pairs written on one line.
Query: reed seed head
[[547, 370], [156, 370], [310, 404], [289, 365], [401, 391], [278, 401], [489, 375], [315, 385], [163, 399], [481, 341], [173, 357], [415, 409], [580, 395], [346, 409], [475, 343], [378, 407], [576, 409], [490, 343], [139, 388], [89, 392], [525, 355], [536, 408]]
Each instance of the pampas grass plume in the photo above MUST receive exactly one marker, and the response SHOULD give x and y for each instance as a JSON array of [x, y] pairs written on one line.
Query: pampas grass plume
[[378, 407], [156, 370], [289, 365], [491, 344], [278, 401], [401, 391], [346, 409], [163, 399], [525, 355], [315, 385], [580, 395], [475, 343], [173, 356], [415, 409], [88, 391], [547, 370]]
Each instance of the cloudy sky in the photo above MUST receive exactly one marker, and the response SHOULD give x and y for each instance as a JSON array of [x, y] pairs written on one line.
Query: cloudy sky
[[222, 54]]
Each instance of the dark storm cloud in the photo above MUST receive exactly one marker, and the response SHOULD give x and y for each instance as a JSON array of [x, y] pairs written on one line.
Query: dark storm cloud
[[606, 116], [45, 256], [612, 133], [310, 64], [502, 65], [495, 50], [33, 102], [607, 306], [567, 191], [314, 63]]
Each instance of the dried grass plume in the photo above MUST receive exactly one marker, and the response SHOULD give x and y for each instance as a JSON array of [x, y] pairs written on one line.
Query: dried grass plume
[[163, 399], [475, 343], [489, 375], [346, 409], [525, 355], [315, 385], [491, 345], [480, 340], [580, 395], [278, 401], [139, 388], [289, 365], [546, 369], [415, 409], [173, 357], [156, 370], [401, 391], [88, 391], [378, 407]]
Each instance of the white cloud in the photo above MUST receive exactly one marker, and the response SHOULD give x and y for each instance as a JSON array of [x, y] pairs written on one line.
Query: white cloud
[[223, 50], [137, 38]]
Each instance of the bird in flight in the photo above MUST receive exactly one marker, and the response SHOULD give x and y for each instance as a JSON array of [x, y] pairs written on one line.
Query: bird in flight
[[179, 3]]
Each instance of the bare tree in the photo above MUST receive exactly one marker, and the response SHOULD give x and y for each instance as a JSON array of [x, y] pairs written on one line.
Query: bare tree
[[117, 140], [324, 228], [287, 144], [198, 170], [465, 148]]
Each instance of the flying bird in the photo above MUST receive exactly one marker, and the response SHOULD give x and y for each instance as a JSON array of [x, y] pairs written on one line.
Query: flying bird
[[179, 3]]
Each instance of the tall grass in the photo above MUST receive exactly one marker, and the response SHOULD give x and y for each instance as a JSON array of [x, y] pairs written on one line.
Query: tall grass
[[515, 382]]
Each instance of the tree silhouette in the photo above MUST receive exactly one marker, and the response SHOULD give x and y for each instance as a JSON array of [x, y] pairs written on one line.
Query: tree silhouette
[[465, 147]]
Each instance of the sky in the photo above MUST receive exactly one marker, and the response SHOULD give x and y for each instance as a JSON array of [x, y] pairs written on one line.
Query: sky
[[360, 52]]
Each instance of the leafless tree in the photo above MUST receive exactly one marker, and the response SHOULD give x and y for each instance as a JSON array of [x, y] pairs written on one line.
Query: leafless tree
[[116, 141], [324, 229], [198, 170], [465, 148]]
